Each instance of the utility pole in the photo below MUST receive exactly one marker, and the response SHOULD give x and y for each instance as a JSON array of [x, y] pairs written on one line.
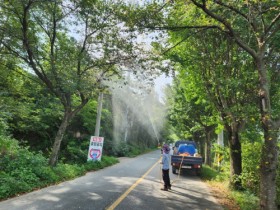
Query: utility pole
[[220, 139], [98, 117], [220, 142]]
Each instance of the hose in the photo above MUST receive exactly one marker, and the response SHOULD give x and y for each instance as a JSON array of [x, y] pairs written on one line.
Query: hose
[[178, 177]]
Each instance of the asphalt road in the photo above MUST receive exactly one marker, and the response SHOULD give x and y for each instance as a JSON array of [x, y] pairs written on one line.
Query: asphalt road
[[132, 184]]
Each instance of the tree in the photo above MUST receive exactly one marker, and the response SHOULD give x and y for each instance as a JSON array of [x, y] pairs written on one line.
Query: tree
[[45, 36], [231, 97], [262, 19], [254, 26], [201, 111], [190, 111], [205, 80]]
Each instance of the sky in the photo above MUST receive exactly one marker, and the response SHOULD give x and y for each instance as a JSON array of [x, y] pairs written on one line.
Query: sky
[[160, 83]]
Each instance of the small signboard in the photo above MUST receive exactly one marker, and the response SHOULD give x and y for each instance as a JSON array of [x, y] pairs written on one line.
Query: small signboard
[[95, 148]]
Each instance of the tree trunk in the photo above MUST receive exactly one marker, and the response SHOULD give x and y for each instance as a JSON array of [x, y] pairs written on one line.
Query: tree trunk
[[235, 159], [58, 138], [269, 160], [268, 166], [208, 148]]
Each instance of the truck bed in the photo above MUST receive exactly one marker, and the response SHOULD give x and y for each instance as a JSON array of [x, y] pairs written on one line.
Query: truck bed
[[187, 160], [180, 163]]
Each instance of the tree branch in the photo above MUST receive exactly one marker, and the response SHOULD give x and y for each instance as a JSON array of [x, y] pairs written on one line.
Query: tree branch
[[231, 8], [30, 54], [184, 39], [273, 22], [179, 28], [231, 31]]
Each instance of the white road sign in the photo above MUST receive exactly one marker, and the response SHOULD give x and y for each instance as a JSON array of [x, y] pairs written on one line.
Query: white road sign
[[95, 148]]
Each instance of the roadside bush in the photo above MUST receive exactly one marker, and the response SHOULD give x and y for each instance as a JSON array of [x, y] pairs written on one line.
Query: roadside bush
[[222, 153], [134, 151], [105, 161], [7, 146], [66, 171], [208, 173], [75, 152], [109, 160], [211, 174], [23, 171], [10, 186], [47, 176], [251, 155], [121, 149], [246, 200]]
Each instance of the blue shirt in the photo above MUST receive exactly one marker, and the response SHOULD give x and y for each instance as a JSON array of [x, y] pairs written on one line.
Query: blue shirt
[[165, 161]]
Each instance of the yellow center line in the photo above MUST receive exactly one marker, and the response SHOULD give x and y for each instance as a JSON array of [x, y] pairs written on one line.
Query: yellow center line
[[123, 196]]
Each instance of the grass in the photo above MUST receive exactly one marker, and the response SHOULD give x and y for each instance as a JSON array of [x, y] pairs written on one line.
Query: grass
[[228, 198]]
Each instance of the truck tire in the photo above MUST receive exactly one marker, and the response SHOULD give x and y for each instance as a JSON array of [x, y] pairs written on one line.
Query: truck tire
[[173, 170]]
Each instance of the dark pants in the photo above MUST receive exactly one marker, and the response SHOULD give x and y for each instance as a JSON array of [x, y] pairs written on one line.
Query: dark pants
[[165, 177]]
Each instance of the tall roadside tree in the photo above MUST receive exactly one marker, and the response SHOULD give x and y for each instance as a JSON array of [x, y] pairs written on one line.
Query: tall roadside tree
[[219, 70], [190, 113], [202, 112], [70, 45], [212, 63], [229, 82], [254, 26]]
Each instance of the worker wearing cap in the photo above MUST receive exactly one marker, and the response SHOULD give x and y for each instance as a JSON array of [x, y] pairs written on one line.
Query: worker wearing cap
[[165, 167]]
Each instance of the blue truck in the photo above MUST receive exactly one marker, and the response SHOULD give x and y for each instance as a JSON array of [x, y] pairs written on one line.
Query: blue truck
[[185, 157]]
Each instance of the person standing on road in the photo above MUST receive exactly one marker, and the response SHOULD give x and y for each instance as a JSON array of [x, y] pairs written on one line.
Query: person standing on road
[[165, 167]]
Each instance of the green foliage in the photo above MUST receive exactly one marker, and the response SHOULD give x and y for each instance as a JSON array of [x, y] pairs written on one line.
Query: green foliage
[[66, 171], [85, 120], [212, 174], [173, 136], [10, 186], [246, 200], [22, 171], [71, 74], [222, 153], [75, 155], [134, 151], [121, 149], [251, 156], [7, 146], [208, 173], [3, 126], [105, 161], [75, 151]]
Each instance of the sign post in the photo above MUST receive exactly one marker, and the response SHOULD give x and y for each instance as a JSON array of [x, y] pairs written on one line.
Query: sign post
[[95, 148]]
